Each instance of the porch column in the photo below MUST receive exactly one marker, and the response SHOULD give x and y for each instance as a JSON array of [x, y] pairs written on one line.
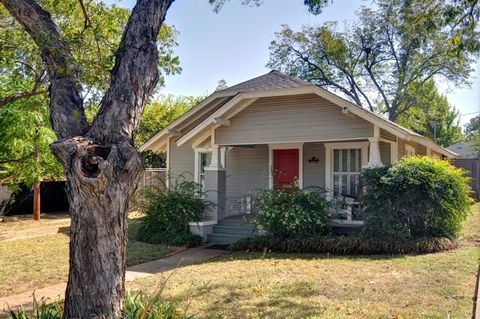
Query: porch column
[[374, 153], [215, 185]]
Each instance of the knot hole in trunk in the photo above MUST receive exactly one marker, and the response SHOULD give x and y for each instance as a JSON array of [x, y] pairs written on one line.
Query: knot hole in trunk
[[90, 164]]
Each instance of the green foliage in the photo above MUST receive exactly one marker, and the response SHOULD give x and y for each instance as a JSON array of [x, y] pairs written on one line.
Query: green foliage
[[430, 109], [344, 245], [472, 128], [22, 70], [376, 59], [137, 306], [417, 197], [141, 306], [168, 210], [20, 123], [297, 213], [161, 112], [153, 159], [41, 310]]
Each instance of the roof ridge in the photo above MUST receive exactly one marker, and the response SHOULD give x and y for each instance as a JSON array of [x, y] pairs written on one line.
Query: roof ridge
[[291, 77]]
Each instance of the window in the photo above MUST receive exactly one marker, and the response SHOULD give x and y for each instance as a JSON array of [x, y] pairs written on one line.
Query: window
[[205, 159], [409, 150], [347, 164]]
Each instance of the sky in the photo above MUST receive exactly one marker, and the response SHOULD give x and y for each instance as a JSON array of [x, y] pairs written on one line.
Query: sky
[[233, 44]]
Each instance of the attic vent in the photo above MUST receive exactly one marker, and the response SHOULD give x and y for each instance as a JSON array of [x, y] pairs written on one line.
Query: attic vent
[[387, 135]]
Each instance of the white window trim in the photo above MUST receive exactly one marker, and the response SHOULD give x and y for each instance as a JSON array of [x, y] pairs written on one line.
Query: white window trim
[[285, 146], [199, 150], [329, 147], [409, 149]]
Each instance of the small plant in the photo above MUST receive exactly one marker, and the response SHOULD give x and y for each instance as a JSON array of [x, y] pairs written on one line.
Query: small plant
[[294, 213], [417, 197], [141, 306], [137, 306], [168, 210]]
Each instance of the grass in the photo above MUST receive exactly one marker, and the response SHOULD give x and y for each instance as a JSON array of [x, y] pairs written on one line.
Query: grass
[[255, 285], [41, 260]]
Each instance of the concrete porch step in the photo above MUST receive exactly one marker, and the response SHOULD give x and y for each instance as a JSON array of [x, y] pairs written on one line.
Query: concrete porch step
[[236, 223], [246, 231], [223, 239]]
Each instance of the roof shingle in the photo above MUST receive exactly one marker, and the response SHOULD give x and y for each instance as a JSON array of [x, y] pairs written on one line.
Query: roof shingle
[[270, 81]]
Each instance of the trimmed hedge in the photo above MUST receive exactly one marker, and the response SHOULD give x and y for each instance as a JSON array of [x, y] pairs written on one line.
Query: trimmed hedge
[[344, 245]]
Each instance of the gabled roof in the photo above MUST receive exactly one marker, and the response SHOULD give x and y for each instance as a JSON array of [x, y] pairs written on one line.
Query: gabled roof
[[273, 83], [464, 150], [270, 81]]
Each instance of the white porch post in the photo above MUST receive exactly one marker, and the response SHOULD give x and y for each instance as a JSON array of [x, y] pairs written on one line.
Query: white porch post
[[374, 154]]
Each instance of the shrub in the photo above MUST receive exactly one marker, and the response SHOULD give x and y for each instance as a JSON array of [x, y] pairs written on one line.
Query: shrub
[[417, 197], [343, 245], [167, 212], [294, 214]]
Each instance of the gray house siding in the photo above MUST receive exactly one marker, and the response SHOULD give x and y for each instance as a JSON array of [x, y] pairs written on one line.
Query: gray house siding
[[181, 161], [247, 172], [292, 119], [314, 173]]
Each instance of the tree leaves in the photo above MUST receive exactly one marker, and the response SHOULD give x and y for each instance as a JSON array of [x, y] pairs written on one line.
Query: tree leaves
[[376, 59]]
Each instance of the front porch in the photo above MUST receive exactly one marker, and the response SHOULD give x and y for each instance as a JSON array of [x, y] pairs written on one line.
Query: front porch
[[233, 174]]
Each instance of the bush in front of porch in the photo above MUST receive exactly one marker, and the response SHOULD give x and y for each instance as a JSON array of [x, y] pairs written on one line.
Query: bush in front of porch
[[293, 213], [416, 206], [418, 197], [168, 210]]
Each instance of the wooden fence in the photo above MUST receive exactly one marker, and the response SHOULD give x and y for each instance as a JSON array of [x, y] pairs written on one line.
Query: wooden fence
[[153, 176], [473, 168]]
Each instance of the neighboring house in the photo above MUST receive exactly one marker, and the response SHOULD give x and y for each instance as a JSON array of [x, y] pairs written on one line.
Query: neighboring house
[[233, 141], [464, 150]]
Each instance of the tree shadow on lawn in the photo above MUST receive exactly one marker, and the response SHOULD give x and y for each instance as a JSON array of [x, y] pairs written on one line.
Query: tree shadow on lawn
[[64, 230], [279, 303]]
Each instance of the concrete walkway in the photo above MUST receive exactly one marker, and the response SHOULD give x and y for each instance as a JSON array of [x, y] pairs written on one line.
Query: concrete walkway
[[57, 292]]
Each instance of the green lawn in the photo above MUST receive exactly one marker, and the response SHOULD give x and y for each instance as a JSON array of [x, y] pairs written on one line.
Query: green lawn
[[243, 285], [42, 259]]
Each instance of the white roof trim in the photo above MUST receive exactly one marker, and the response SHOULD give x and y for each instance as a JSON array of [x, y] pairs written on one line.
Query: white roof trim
[[181, 119], [361, 112]]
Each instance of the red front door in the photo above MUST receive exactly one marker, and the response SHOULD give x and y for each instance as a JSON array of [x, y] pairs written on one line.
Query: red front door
[[285, 168]]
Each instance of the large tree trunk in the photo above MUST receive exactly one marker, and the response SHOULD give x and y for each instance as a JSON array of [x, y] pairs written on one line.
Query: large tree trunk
[[101, 181], [100, 162]]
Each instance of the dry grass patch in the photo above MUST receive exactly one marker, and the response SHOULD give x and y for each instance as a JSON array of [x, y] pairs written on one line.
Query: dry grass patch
[[40, 260], [299, 286], [25, 227]]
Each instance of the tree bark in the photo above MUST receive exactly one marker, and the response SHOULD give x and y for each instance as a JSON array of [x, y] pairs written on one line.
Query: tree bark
[[36, 183], [100, 183], [100, 162], [36, 200]]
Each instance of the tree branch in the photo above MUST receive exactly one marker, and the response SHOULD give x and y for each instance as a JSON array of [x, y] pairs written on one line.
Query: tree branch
[[134, 75], [67, 113], [18, 96], [33, 92]]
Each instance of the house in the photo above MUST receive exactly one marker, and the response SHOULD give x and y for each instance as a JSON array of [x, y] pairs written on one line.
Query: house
[[278, 130], [464, 150]]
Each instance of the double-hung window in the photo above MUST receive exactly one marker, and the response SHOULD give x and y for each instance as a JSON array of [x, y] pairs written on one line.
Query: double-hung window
[[205, 159], [347, 165]]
